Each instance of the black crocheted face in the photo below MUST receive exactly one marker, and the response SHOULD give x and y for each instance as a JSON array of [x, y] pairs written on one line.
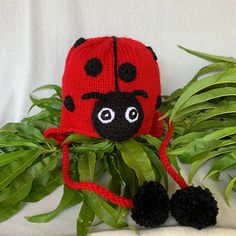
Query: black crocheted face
[[117, 116]]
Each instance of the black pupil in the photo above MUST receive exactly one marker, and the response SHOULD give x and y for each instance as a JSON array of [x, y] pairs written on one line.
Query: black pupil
[[133, 114], [106, 115]]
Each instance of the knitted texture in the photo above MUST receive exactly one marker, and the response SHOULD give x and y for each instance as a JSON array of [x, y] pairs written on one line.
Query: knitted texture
[[164, 159], [111, 89], [103, 65]]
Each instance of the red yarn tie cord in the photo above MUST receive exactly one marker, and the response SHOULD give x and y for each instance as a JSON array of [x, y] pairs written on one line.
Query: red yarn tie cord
[[128, 203], [164, 158]]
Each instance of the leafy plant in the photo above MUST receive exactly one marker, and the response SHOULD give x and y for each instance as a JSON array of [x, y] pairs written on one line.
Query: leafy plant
[[204, 116]]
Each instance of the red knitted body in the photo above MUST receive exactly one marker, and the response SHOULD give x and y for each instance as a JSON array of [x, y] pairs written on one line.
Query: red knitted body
[[76, 82]]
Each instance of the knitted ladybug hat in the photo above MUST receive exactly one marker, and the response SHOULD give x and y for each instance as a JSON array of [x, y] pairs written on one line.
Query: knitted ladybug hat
[[111, 89]]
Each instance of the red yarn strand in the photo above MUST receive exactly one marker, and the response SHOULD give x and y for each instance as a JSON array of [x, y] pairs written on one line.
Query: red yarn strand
[[121, 201], [164, 158]]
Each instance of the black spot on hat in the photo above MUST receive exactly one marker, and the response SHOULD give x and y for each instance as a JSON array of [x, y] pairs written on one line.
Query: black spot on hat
[[127, 72], [69, 103], [93, 67], [153, 53], [158, 102], [79, 42]]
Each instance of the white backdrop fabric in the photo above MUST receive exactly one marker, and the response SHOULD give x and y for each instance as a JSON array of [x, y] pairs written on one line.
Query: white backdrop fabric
[[35, 36]]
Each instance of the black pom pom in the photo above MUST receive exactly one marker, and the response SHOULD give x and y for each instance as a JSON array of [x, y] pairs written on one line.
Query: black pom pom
[[151, 205], [194, 206], [79, 42]]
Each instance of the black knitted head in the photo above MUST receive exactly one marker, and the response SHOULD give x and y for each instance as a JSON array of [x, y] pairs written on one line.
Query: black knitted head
[[194, 206], [151, 205], [117, 116]]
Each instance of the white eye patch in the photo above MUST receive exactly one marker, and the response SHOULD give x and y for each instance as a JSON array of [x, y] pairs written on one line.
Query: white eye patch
[[106, 115], [131, 114]]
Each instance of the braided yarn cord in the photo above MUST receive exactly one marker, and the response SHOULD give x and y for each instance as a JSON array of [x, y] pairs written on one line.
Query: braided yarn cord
[[164, 158], [121, 201]]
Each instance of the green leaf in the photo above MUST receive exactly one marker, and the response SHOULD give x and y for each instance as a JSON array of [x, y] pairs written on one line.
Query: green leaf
[[44, 185], [209, 57], [187, 138], [116, 181], [220, 110], [112, 168], [100, 148], [46, 164], [212, 125], [43, 125], [195, 109], [177, 93], [19, 143], [135, 157], [39, 116], [54, 87], [228, 190], [17, 167], [206, 143], [85, 219], [156, 142], [115, 185], [218, 66], [50, 104], [226, 162], [197, 147], [197, 164], [216, 79], [18, 189], [8, 158], [157, 163], [100, 168], [102, 210], [209, 95], [129, 178], [219, 134], [6, 132], [26, 131], [9, 211], [69, 199], [78, 138], [86, 165], [21, 185]]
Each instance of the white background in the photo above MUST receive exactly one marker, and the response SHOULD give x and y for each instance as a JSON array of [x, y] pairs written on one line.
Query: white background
[[35, 37]]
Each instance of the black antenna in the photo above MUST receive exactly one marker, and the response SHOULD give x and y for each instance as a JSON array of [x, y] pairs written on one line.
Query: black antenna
[[91, 95], [115, 63], [140, 93]]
